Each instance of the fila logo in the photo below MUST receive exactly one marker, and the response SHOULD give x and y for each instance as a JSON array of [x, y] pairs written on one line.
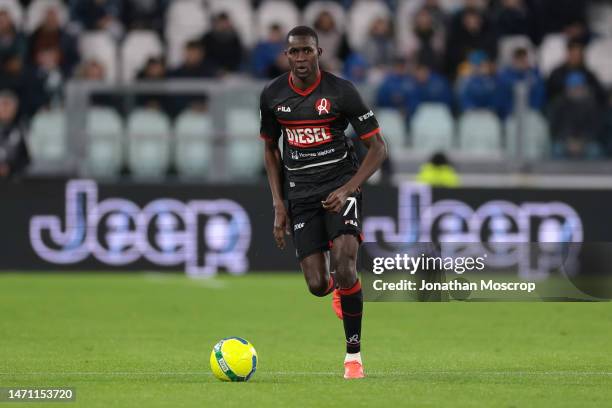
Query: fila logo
[[308, 136], [366, 116], [298, 226], [322, 106], [352, 222], [281, 108]]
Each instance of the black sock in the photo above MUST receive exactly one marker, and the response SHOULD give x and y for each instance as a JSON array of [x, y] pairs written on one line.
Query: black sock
[[351, 301]]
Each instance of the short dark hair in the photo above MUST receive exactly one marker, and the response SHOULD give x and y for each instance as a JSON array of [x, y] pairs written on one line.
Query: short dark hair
[[520, 52], [194, 44], [574, 43], [303, 31]]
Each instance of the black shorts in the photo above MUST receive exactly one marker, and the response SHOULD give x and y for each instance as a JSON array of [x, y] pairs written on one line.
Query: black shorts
[[314, 228]]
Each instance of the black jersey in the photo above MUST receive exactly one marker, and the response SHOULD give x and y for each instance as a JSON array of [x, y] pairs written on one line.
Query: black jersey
[[317, 156]]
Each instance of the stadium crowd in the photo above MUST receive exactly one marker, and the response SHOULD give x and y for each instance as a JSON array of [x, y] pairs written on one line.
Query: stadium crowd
[[465, 54]]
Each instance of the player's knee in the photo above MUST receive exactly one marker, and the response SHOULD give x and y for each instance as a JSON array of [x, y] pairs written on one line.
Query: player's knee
[[317, 286]]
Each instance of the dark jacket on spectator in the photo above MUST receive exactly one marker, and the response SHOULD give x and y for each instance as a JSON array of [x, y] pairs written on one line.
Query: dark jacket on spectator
[[66, 42], [13, 148], [556, 82], [224, 49]]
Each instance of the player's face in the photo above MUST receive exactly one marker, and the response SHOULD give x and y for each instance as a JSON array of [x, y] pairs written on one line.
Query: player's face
[[303, 56]]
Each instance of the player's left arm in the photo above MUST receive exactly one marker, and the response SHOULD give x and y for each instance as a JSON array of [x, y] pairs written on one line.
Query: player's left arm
[[366, 126]]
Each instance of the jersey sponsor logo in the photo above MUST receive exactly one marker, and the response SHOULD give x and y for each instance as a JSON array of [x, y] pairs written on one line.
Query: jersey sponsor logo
[[298, 226], [322, 106], [298, 155], [308, 136], [281, 108], [366, 116]]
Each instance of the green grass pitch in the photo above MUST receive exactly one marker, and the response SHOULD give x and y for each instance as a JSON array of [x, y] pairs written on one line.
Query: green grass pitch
[[143, 340]]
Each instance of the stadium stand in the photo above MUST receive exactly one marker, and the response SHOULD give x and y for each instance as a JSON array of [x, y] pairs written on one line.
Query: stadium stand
[[432, 128], [148, 144], [194, 144], [423, 30], [105, 141]]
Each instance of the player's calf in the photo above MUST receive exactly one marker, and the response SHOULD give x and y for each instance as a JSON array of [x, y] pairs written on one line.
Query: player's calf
[[319, 280]]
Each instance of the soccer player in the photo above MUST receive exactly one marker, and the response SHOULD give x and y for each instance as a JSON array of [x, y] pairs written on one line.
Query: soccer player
[[310, 109]]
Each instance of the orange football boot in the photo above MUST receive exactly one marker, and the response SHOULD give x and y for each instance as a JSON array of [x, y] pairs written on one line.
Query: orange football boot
[[353, 369], [336, 305]]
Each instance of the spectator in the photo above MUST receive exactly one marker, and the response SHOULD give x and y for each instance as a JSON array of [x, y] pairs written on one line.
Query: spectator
[[144, 14], [265, 57], [98, 15], [513, 18], [473, 33], [91, 70], [392, 90], [430, 87], [427, 41], [45, 80], [574, 62], [195, 63], [154, 70], [438, 172], [567, 16], [576, 120], [437, 13], [50, 34], [333, 42], [356, 68], [480, 89], [94, 71], [14, 155], [223, 45], [12, 74], [379, 48], [12, 42], [522, 71]]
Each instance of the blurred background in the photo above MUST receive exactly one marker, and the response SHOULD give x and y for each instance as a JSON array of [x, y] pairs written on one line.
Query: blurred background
[[156, 99]]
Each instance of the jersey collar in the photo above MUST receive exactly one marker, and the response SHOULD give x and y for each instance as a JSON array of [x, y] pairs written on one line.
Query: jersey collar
[[307, 91]]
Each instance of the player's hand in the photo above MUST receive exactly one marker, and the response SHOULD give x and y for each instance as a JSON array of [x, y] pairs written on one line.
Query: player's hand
[[336, 200], [281, 225]]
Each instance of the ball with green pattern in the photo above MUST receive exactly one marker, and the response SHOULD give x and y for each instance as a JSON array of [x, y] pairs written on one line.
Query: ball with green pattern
[[233, 359]]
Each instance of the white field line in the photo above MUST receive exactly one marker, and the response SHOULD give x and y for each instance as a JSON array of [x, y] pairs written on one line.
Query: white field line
[[158, 277], [314, 373]]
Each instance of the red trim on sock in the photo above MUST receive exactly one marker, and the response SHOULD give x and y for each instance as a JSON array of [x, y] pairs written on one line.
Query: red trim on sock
[[350, 291], [351, 314]]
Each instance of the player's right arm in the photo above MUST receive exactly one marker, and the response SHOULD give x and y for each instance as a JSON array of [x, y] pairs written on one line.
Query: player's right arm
[[270, 132]]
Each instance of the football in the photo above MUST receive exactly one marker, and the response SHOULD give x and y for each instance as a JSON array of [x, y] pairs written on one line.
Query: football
[[233, 359]]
